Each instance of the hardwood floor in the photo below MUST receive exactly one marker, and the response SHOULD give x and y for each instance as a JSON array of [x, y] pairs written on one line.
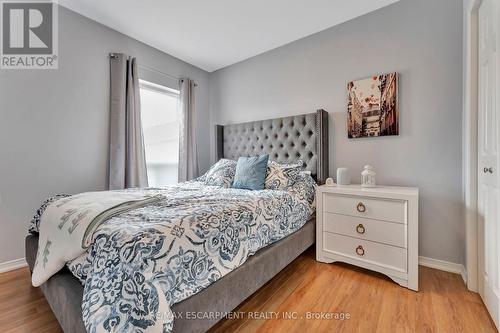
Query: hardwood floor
[[372, 302], [22, 307]]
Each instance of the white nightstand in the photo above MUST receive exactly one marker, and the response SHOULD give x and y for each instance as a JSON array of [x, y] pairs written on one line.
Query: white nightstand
[[375, 228]]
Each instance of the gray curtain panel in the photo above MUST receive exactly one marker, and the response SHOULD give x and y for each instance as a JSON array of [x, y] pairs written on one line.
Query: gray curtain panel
[[188, 157], [127, 159]]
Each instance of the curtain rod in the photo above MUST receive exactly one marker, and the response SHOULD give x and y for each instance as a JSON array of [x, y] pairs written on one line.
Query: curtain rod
[[115, 56]]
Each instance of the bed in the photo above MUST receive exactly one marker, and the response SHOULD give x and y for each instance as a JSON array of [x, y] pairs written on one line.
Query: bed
[[288, 139]]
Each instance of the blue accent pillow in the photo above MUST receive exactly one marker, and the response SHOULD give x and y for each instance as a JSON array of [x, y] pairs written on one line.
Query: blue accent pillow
[[251, 172]]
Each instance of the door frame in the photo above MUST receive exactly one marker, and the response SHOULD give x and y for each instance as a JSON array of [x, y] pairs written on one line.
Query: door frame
[[470, 138]]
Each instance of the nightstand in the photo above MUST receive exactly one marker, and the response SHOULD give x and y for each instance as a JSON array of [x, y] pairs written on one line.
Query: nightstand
[[375, 228]]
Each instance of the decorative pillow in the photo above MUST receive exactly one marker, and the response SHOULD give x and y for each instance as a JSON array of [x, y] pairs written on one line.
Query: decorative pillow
[[221, 173], [304, 187], [251, 172], [281, 175]]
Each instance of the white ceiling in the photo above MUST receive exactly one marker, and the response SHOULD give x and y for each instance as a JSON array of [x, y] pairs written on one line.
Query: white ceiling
[[217, 33]]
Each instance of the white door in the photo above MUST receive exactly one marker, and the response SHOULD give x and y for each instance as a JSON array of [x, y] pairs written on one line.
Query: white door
[[488, 173]]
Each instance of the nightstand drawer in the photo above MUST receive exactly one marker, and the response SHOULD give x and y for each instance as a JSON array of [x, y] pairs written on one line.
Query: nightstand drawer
[[373, 230], [380, 209], [375, 253]]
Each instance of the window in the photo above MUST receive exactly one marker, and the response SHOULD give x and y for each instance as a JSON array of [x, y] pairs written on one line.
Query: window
[[160, 123]]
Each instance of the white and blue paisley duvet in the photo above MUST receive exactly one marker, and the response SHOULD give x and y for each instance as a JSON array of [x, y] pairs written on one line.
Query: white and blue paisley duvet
[[142, 262]]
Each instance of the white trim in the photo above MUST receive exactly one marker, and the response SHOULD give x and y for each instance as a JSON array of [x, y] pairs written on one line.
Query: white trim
[[143, 84], [464, 274], [443, 266], [469, 144], [12, 265]]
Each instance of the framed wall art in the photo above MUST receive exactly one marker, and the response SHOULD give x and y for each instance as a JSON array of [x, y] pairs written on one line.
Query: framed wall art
[[372, 108]]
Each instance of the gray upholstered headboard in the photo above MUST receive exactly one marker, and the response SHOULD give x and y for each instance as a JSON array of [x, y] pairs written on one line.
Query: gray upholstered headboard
[[289, 139]]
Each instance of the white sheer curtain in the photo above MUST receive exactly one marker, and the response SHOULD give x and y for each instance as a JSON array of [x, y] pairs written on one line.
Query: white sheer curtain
[[127, 160], [188, 154]]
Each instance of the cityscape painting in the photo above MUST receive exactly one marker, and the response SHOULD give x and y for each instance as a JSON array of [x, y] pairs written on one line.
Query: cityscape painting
[[372, 108]]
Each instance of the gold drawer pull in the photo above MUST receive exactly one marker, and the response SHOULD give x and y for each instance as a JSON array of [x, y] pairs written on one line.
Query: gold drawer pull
[[361, 207], [360, 229], [360, 251]]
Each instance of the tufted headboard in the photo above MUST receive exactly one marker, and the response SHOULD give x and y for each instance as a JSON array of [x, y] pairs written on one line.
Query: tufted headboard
[[289, 139]]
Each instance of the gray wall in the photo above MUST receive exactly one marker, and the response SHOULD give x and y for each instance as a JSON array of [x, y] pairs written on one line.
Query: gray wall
[[54, 123], [422, 40]]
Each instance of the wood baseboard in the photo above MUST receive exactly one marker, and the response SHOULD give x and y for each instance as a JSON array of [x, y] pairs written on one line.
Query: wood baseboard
[[444, 266], [12, 265]]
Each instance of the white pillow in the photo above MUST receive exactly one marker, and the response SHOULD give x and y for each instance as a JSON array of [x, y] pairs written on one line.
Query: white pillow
[[281, 175], [221, 173]]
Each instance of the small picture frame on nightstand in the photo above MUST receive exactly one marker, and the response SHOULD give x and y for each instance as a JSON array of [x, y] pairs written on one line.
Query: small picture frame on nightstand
[[329, 182]]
